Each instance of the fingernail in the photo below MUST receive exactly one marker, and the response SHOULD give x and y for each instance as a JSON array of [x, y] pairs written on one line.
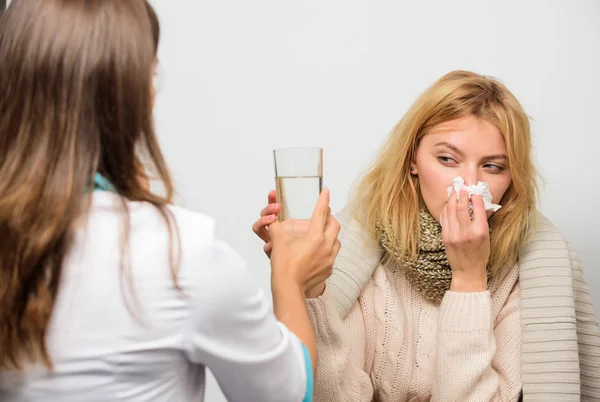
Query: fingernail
[[272, 217], [326, 189]]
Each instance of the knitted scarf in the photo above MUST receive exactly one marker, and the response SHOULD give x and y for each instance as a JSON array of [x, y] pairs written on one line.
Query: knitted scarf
[[430, 273]]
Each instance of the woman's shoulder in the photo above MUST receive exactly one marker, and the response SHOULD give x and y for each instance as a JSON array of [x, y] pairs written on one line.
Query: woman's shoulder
[[192, 233], [108, 208], [546, 252], [544, 235], [194, 226], [544, 225], [200, 246]]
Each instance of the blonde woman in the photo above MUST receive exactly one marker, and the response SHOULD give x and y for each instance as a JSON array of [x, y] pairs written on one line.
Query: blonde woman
[[433, 297]]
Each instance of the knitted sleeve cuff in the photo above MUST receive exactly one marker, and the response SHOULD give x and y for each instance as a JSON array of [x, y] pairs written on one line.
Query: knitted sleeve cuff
[[465, 312]]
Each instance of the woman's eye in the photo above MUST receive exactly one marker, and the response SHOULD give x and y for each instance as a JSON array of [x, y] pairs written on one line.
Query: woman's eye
[[493, 167], [446, 159]]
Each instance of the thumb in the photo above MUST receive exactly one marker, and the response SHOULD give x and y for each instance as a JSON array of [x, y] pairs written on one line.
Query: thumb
[[276, 231], [321, 212]]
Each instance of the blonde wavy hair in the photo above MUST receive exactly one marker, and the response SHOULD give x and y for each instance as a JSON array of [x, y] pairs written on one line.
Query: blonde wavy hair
[[389, 195]]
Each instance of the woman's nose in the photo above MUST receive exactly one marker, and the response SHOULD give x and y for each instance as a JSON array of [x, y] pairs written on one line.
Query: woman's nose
[[471, 176]]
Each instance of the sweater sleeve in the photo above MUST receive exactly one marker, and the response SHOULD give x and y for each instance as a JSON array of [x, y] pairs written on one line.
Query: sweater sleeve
[[477, 359], [341, 372]]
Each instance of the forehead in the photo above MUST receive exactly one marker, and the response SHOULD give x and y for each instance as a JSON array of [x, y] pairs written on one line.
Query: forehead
[[469, 134]]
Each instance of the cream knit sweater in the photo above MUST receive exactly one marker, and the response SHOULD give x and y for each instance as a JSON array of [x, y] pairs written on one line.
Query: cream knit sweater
[[380, 340], [395, 346]]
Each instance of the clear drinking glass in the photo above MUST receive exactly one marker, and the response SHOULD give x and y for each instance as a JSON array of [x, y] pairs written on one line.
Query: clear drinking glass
[[299, 181]]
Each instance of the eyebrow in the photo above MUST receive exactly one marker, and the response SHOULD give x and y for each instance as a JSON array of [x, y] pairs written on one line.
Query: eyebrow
[[460, 153]]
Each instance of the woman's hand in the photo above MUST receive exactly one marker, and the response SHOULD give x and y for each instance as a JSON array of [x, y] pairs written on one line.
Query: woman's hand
[[294, 227], [267, 216], [305, 260], [467, 242]]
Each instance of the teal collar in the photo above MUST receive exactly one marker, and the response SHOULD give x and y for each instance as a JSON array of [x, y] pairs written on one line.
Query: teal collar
[[101, 183]]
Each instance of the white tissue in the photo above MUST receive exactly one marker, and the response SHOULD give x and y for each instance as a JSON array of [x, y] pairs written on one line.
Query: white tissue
[[482, 189]]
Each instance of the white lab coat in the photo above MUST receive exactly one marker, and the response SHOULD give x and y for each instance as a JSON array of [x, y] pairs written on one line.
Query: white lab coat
[[220, 320]]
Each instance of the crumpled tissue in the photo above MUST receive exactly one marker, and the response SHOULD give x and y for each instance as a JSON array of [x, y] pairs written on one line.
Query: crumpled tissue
[[481, 188]]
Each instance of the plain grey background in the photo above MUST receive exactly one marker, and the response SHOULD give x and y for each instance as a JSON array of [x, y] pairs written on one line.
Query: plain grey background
[[241, 78]]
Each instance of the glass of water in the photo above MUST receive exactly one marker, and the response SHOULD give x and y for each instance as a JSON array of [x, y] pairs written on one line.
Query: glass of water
[[299, 180]]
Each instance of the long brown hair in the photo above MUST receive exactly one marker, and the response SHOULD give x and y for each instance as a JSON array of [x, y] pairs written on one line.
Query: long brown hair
[[75, 99], [388, 194]]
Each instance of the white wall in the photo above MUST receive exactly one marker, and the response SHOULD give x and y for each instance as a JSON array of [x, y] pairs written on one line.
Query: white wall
[[245, 77]]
